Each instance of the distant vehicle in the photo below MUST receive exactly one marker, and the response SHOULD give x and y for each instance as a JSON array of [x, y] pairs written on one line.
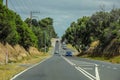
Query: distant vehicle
[[56, 52], [57, 41], [68, 53], [64, 46]]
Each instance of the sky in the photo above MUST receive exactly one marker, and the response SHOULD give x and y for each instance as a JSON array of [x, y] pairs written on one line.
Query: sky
[[63, 12]]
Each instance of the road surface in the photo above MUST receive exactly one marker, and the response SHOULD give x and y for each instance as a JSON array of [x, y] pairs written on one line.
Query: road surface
[[71, 68]]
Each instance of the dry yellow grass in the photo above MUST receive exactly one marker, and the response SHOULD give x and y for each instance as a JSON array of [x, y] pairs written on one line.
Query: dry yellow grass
[[9, 70], [19, 59], [72, 48], [15, 53], [95, 43]]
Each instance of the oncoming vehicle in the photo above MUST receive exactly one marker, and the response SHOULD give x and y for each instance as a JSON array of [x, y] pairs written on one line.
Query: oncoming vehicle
[[68, 53]]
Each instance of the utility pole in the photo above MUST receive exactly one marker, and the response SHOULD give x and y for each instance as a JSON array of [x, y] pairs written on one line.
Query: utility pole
[[31, 16], [45, 40], [32, 12], [7, 3], [6, 57]]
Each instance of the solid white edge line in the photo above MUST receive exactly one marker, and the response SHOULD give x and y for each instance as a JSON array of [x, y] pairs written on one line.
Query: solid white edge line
[[29, 68]]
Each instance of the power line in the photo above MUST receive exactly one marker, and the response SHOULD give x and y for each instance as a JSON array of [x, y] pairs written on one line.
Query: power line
[[7, 3], [21, 7], [14, 8], [29, 4], [23, 3]]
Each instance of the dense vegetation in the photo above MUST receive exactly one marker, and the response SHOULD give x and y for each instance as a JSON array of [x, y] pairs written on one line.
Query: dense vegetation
[[29, 33], [43, 29], [102, 29], [1, 1]]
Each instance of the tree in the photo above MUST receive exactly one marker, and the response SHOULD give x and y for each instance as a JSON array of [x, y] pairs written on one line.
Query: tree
[[101, 26], [8, 31], [77, 34], [44, 31], [28, 38], [1, 1]]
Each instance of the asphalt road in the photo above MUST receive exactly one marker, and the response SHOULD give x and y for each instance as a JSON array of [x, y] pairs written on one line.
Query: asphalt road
[[71, 68], [107, 71]]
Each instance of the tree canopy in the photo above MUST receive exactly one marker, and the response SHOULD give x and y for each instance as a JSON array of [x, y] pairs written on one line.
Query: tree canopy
[[43, 29], [101, 26], [14, 30]]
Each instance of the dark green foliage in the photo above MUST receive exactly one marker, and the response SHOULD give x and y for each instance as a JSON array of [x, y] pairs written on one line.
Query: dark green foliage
[[28, 38], [102, 26], [39, 33], [44, 31], [34, 22], [8, 31], [77, 34], [1, 1], [14, 31]]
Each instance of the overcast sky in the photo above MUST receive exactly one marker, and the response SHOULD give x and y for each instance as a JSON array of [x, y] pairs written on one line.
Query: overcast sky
[[62, 11]]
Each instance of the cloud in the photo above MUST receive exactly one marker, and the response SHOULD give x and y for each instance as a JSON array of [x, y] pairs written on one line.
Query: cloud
[[62, 11]]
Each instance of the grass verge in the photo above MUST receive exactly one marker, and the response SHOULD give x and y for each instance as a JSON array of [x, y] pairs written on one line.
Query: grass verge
[[112, 60], [9, 70], [115, 60]]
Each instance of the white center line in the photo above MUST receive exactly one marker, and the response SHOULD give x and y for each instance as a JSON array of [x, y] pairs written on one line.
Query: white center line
[[87, 74], [84, 73]]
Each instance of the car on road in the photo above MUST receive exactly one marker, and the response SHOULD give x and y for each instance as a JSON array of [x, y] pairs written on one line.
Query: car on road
[[68, 53], [56, 52], [57, 41], [64, 46]]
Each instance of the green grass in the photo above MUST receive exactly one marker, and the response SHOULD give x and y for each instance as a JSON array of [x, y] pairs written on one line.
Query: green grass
[[115, 59]]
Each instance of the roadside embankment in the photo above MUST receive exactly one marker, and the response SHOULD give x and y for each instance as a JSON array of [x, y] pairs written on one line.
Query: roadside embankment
[[115, 59], [18, 59]]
